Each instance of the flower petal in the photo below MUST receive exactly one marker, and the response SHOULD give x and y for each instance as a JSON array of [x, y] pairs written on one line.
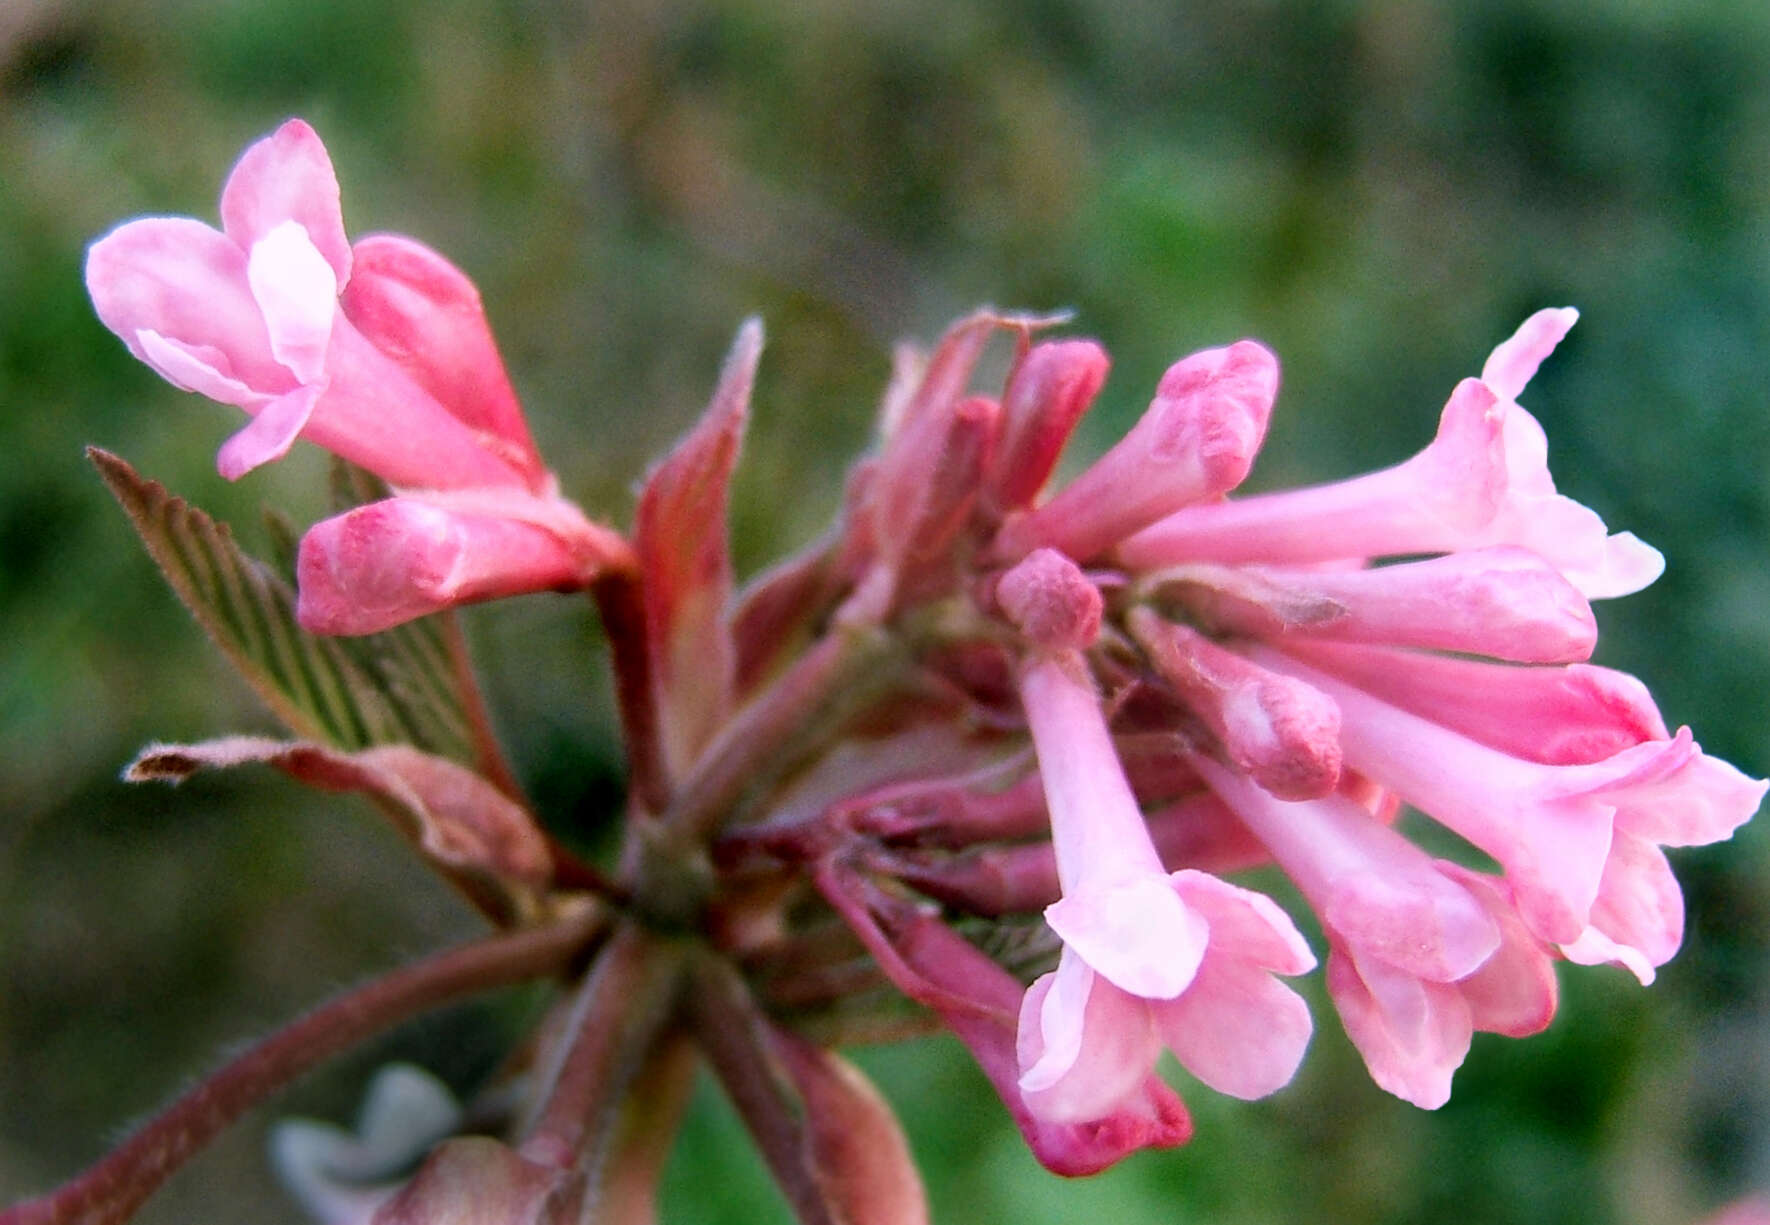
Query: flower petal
[[297, 292], [1138, 934], [287, 176], [1237, 1028], [269, 434], [185, 282]]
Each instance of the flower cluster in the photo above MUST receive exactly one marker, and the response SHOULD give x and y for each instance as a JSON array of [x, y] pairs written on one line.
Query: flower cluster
[[1002, 749]]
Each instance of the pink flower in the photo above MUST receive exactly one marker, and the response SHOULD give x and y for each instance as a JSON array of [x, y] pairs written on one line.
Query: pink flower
[[1149, 959], [1421, 953], [1579, 841], [1483, 481], [251, 316], [381, 354]]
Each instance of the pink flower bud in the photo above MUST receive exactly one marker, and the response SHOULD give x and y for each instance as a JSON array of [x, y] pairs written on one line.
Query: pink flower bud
[[1284, 734], [1051, 601], [1196, 441], [1048, 390], [390, 561]]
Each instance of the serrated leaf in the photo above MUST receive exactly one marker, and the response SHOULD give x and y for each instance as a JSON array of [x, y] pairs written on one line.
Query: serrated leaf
[[311, 684], [405, 686]]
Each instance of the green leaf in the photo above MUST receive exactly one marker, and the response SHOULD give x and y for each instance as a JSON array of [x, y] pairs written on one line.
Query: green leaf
[[406, 686]]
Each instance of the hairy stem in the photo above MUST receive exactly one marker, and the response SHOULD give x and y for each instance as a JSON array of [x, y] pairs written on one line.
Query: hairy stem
[[733, 1033], [617, 1021], [111, 1191], [838, 673]]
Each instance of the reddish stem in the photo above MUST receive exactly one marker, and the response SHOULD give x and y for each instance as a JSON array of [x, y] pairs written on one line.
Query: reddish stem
[[622, 605], [109, 1192]]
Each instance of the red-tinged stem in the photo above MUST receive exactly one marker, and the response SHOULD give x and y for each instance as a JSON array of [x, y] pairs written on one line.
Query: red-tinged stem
[[733, 1033], [488, 753], [617, 1021], [649, 1124], [842, 670], [841, 887], [622, 605], [111, 1191]]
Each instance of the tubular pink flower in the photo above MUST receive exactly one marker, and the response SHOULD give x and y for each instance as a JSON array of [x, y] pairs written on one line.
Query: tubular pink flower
[[1574, 715], [1422, 953], [1196, 441], [1552, 826], [390, 561], [1483, 481], [1149, 960], [1118, 910], [1503, 602], [250, 316]]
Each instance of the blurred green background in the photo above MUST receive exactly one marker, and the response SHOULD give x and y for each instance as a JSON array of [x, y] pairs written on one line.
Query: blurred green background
[[1381, 192]]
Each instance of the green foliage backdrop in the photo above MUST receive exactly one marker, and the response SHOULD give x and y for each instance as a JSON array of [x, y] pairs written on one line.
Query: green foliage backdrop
[[1379, 191]]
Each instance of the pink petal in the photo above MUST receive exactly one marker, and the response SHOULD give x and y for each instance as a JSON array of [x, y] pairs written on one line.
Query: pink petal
[[298, 295], [1138, 934], [287, 176], [1245, 924], [1514, 992], [1638, 919], [1084, 1046], [1412, 1034], [1196, 441], [270, 433], [1683, 797], [1515, 360], [426, 315], [199, 368], [185, 282], [1237, 1028], [376, 416]]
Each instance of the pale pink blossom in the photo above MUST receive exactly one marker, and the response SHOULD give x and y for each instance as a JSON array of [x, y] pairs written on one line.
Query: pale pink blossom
[[1149, 960], [250, 316], [1421, 953], [1579, 842], [1483, 481], [380, 353]]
